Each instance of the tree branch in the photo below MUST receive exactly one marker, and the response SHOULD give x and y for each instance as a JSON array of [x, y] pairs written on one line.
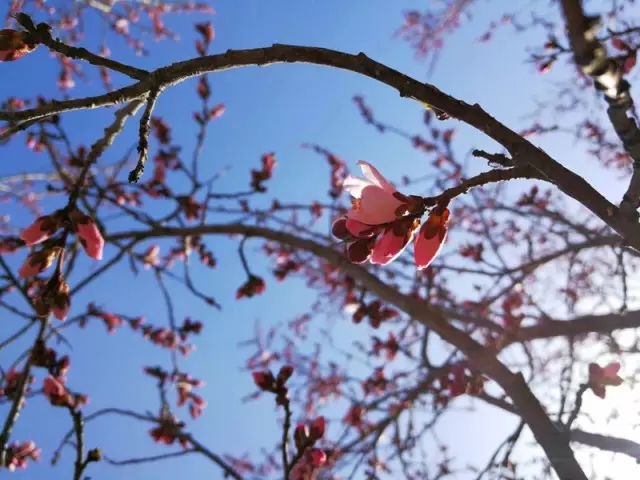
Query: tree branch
[[521, 150], [591, 56]]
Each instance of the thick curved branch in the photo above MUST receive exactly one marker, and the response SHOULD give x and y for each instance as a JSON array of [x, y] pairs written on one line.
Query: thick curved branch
[[521, 150], [481, 358]]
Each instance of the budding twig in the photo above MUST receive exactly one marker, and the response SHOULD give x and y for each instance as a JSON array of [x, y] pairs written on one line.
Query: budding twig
[[143, 141]]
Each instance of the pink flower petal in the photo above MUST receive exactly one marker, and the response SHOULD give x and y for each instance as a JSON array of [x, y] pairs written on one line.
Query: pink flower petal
[[611, 370], [39, 231], [355, 185], [430, 239], [359, 229], [375, 206], [390, 245], [359, 251], [89, 234], [375, 177]]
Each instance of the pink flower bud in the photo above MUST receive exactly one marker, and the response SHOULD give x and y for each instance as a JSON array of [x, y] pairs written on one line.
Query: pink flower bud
[[264, 380], [431, 238], [301, 436], [38, 262], [318, 457], [40, 230], [88, 233], [284, 374], [317, 428]]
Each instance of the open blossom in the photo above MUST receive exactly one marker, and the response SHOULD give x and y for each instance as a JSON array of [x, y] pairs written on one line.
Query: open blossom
[[375, 200], [601, 377], [40, 230], [382, 222], [88, 233], [431, 237]]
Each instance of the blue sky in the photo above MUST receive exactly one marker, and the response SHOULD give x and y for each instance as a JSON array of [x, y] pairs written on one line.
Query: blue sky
[[267, 109]]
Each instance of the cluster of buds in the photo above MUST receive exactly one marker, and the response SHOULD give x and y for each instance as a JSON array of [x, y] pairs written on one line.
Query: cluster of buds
[[266, 382], [253, 286], [46, 226], [376, 313], [390, 347], [264, 174], [377, 383], [459, 380], [11, 386], [19, 453], [284, 259], [355, 418], [208, 34], [185, 384], [190, 208], [55, 390], [311, 459], [169, 430], [42, 356]]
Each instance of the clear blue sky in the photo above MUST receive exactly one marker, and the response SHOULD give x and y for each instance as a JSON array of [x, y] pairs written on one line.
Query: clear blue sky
[[269, 109]]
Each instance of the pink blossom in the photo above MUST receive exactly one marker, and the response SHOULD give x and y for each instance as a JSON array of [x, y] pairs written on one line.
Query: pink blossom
[[376, 200], [359, 229], [89, 234], [601, 377], [393, 241], [431, 238]]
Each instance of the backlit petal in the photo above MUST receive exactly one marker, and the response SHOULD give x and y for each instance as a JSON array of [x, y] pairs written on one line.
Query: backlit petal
[[375, 177], [376, 206]]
